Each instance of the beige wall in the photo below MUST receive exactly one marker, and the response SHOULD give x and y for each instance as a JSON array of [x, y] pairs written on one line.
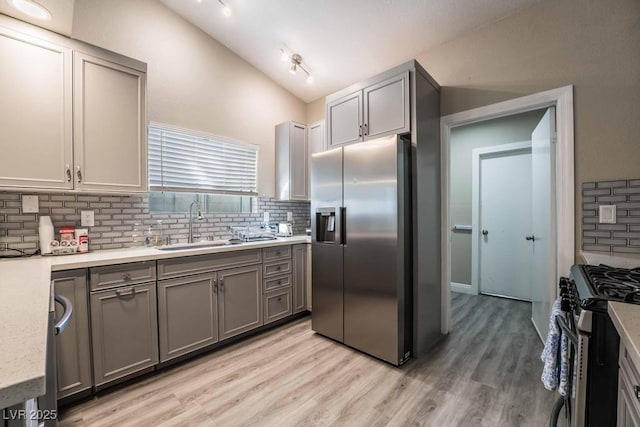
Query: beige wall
[[315, 110], [464, 140], [592, 44], [193, 81]]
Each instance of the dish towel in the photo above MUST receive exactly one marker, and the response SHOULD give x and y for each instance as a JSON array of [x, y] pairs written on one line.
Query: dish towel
[[555, 355]]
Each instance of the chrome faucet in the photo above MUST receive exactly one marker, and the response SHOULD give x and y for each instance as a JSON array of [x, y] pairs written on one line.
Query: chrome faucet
[[191, 236]]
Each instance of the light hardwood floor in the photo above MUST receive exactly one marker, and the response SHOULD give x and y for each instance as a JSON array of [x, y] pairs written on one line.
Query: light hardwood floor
[[485, 373]]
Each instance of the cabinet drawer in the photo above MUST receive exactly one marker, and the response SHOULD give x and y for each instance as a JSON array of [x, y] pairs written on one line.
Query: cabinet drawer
[[111, 276], [177, 267], [276, 283], [277, 268], [276, 253], [277, 304]]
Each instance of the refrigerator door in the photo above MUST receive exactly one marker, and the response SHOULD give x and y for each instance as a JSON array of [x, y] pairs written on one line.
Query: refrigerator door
[[326, 250], [374, 267]]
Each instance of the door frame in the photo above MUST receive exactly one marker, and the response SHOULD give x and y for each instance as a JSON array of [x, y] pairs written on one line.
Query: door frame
[[562, 99], [477, 155]]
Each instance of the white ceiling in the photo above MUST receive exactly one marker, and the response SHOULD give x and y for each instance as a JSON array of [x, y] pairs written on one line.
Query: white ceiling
[[342, 41], [61, 15]]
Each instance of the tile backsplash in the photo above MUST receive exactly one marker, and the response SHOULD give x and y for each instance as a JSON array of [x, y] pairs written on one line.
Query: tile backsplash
[[115, 217], [624, 235]]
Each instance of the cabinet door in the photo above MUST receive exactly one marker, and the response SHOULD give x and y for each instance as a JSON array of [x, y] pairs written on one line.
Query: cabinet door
[[386, 107], [628, 414], [317, 143], [299, 259], [344, 120], [187, 314], [299, 162], [35, 124], [73, 348], [124, 329], [239, 300], [110, 129]]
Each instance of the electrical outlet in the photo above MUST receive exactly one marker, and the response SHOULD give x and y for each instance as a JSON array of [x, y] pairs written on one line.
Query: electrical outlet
[[265, 217], [607, 214], [86, 218], [30, 204], [290, 216]]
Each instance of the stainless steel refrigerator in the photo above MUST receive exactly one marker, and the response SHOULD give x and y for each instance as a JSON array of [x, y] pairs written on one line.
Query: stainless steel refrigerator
[[361, 246]]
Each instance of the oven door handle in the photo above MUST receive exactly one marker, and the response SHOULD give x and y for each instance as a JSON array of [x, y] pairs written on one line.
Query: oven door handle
[[565, 328], [66, 315]]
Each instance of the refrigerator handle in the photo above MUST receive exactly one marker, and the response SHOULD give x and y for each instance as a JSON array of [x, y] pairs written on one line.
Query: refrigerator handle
[[343, 225]]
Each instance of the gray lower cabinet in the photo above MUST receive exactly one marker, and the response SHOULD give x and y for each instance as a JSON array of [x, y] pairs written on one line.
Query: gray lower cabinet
[[73, 346], [124, 330], [187, 314], [299, 261], [628, 391], [277, 304], [239, 300]]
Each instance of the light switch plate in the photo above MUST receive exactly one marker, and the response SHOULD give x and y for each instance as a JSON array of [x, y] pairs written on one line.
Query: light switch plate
[[607, 214], [86, 218], [30, 204], [290, 216]]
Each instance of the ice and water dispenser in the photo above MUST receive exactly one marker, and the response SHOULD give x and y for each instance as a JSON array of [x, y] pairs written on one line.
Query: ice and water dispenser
[[326, 225]]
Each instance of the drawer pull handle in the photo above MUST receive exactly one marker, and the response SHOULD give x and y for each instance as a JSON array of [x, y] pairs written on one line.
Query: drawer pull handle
[[121, 294], [221, 286], [215, 286], [279, 298], [636, 390], [279, 268], [126, 277]]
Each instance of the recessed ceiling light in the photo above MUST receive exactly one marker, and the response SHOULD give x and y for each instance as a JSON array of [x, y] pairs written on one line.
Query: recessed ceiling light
[[31, 8]]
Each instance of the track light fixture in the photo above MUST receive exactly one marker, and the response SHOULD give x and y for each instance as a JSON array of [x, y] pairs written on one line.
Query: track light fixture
[[296, 62], [226, 11]]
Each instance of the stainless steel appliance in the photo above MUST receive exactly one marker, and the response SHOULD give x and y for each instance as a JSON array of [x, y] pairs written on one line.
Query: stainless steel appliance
[[48, 404], [361, 246], [596, 342]]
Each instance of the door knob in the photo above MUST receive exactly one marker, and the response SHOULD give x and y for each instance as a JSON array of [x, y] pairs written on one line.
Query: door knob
[[531, 238], [485, 232]]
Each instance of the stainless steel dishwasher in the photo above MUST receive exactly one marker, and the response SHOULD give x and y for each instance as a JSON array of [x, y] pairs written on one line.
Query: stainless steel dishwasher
[[48, 403]]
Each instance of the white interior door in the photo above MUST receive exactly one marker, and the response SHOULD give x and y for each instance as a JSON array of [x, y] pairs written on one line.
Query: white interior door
[[505, 220], [543, 226]]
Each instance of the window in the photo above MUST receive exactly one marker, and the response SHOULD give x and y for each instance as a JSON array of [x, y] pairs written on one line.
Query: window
[[185, 165]]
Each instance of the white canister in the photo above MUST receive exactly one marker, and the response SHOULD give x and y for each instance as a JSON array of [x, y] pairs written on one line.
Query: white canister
[[82, 237], [45, 230]]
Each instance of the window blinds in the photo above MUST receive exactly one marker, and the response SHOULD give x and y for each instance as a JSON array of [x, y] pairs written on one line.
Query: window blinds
[[185, 161]]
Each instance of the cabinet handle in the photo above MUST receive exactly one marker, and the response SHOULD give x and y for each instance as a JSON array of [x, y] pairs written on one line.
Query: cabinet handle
[[221, 285], [366, 129], [215, 286], [360, 132], [279, 299], [79, 174], [636, 390], [121, 294], [69, 173], [279, 268], [126, 277]]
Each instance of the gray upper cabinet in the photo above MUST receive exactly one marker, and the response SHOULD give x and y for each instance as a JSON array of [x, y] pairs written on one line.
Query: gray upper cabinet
[[239, 300], [73, 347], [316, 135], [73, 115], [344, 120], [187, 314], [299, 260], [386, 107], [110, 147], [371, 109], [292, 162], [36, 136], [124, 330]]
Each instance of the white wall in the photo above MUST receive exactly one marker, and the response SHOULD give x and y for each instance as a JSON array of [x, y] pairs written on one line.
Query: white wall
[[464, 140], [193, 80]]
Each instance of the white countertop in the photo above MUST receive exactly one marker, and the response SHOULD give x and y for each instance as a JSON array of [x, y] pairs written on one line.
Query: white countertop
[[626, 319], [617, 260], [24, 307]]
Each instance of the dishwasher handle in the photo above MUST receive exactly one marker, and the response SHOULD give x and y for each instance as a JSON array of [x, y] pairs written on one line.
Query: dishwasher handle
[[66, 315]]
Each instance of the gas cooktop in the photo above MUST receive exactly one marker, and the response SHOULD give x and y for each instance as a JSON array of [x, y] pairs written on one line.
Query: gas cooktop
[[613, 284]]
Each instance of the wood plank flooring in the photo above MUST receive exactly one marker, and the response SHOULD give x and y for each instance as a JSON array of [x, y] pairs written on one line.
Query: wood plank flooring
[[485, 373]]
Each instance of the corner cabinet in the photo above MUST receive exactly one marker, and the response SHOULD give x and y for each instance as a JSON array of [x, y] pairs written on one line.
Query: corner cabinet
[[74, 115], [109, 116], [370, 110], [292, 162]]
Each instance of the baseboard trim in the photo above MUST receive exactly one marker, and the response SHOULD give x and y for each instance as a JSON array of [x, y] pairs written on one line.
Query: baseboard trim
[[462, 288]]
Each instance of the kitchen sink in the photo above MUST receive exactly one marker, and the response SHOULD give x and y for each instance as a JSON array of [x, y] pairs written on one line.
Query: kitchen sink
[[197, 245]]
